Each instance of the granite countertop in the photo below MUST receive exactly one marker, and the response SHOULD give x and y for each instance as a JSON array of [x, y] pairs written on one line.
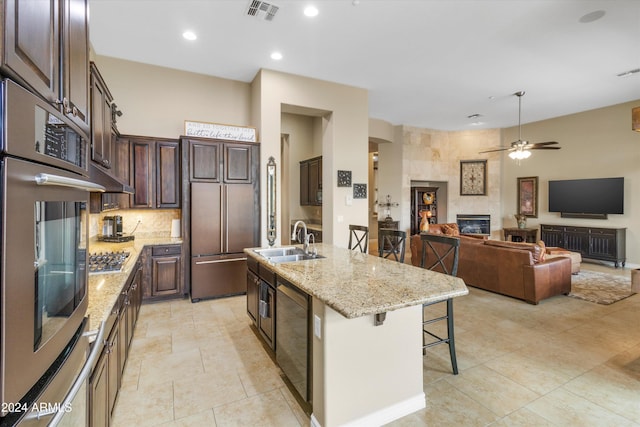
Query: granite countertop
[[356, 284], [104, 289]]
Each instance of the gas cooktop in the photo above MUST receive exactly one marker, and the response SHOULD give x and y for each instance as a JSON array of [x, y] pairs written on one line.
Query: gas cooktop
[[107, 262]]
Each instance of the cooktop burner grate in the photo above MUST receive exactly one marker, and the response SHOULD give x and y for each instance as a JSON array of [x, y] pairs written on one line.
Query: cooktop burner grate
[[107, 262]]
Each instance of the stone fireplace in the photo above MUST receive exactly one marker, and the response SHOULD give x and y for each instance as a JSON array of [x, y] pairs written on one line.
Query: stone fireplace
[[474, 224]]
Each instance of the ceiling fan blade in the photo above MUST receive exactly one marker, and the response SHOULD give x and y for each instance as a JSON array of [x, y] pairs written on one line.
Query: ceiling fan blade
[[495, 149], [545, 143], [544, 148]]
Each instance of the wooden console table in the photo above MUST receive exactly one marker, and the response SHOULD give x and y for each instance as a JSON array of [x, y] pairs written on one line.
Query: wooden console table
[[606, 244], [516, 234]]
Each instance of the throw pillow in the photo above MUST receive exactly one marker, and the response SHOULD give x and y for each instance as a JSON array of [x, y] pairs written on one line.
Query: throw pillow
[[543, 250], [450, 229]]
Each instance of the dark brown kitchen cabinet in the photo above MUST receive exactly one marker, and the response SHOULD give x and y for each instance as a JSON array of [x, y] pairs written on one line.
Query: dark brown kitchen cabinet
[[167, 174], [253, 290], [214, 161], [311, 182], [155, 172], [101, 138], [164, 279], [106, 378], [220, 205], [261, 300], [45, 46], [99, 393]]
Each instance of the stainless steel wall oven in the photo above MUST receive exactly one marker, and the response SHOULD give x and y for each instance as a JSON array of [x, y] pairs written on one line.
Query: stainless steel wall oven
[[44, 251]]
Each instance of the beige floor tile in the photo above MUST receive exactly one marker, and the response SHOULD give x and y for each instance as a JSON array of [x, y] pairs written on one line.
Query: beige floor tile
[[265, 410], [149, 407], [205, 391], [523, 418], [302, 417], [260, 377], [201, 419], [149, 346], [447, 406], [567, 409], [610, 388], [539, 377], [494, 391], [168, 367]]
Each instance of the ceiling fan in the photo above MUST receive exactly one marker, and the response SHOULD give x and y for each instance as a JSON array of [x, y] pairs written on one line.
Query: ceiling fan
[[520, 149]]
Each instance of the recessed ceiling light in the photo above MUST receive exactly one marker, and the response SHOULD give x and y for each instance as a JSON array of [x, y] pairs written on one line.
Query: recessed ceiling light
[[276, 56], [311, 11], [591, 17], [189, 35]]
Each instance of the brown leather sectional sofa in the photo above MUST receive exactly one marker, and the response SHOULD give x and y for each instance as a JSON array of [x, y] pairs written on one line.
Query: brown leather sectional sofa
[[518, 270]]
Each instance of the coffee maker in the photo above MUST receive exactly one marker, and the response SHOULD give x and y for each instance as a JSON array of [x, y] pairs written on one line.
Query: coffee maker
[[112, 226]]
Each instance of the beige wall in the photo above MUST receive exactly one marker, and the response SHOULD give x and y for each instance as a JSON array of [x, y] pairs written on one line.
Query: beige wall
[[156, 101], [595, 144], [344, 133]]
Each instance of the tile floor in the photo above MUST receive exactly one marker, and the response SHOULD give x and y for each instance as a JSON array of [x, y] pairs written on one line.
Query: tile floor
[[564, 362]]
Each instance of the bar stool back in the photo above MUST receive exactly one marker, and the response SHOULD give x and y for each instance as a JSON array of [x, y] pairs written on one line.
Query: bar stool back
[[359, 237], [445, 251], [391, 244]]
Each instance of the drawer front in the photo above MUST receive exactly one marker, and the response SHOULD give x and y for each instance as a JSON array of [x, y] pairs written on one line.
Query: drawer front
[[252, 264], [267, 275], [166, 250]]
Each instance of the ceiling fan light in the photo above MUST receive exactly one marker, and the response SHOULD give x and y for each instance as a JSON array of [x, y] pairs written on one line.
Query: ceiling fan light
[[513, 155], [526, 154]]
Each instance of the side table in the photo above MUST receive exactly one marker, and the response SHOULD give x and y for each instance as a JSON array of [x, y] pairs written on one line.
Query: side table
[[516, 234]]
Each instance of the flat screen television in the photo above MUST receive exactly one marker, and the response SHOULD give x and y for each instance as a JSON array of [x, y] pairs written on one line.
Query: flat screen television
[[587, 196]]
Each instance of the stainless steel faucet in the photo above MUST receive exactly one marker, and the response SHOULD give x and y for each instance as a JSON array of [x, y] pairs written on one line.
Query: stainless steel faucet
[[305, 243]]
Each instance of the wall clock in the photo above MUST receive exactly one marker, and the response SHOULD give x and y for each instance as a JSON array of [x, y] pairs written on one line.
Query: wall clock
[[473, 177]]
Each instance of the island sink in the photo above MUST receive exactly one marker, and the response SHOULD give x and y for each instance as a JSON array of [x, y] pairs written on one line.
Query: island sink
[[285, 254]]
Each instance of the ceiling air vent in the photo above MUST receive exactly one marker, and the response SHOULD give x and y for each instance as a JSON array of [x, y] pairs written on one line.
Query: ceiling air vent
[[262, 9]]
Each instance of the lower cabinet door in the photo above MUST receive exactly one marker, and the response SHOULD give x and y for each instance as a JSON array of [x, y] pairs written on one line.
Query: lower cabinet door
[[267, 313], [217, 276], [99, 392]]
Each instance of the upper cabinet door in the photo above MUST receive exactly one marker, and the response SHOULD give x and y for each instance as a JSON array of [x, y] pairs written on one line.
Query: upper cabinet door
[[75, 56], [31, 47], [204, 161], [237, 163]]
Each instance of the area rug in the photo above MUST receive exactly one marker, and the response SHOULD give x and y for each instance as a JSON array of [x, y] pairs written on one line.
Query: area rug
[[601, 288]]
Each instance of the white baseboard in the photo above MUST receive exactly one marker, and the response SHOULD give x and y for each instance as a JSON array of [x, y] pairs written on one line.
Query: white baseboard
[[385, 415]]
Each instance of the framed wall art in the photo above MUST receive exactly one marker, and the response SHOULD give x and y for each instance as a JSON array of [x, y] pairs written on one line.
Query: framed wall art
[[473, 177], [359, 191], [344, 178], [528, 196]]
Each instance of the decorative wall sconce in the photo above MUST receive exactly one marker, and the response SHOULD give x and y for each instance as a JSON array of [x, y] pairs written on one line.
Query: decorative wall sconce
[[635, 119], [271, 201]]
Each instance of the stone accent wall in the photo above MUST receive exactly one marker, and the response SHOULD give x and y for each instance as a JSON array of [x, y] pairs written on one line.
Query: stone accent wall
[[432, 155]]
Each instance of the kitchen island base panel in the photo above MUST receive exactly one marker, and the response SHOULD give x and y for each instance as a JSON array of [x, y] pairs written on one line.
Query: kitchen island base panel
[[380, 364]]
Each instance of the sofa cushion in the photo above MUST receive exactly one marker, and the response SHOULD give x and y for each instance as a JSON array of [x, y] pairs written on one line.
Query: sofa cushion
[[535, 249]]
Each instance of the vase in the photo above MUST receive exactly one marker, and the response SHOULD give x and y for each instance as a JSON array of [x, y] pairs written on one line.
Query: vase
[[424, 221], [522, 220]]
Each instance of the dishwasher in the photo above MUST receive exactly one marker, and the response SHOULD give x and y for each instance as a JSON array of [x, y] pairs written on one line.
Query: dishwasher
[[292, 337]]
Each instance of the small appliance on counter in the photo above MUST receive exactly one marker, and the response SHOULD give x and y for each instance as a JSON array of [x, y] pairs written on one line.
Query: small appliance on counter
[[112, 230]]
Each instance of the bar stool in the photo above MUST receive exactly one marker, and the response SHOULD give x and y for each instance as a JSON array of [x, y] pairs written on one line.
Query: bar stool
[[391, 242], [445, 260], [359, 237]]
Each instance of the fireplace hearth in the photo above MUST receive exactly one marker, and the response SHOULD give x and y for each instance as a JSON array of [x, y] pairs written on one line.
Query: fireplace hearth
[[474, 224]]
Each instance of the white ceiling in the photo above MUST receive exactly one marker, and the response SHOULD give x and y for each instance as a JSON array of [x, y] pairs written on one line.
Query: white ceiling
[[427, 63]]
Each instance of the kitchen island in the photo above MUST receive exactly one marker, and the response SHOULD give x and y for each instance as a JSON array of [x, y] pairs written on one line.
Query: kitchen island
[[367, 332]]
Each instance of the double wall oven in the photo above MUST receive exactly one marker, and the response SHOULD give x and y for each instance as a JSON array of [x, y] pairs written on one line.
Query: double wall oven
[[44, 234]]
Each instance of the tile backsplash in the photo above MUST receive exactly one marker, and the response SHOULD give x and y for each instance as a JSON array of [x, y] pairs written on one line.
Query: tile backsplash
[[153, 222]]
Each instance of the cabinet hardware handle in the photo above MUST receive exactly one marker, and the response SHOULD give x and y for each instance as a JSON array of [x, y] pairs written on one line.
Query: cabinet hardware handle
[[63, 181], [220, 260]]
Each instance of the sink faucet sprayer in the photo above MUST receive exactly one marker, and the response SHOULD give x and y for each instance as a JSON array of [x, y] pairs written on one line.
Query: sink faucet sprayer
[[305, 242]]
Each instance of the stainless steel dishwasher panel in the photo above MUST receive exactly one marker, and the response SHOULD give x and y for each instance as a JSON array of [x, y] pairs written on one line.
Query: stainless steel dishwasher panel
[[292, 337]]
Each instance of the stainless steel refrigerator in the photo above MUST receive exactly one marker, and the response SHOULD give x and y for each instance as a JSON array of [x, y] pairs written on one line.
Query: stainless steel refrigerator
[[223, 218]]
